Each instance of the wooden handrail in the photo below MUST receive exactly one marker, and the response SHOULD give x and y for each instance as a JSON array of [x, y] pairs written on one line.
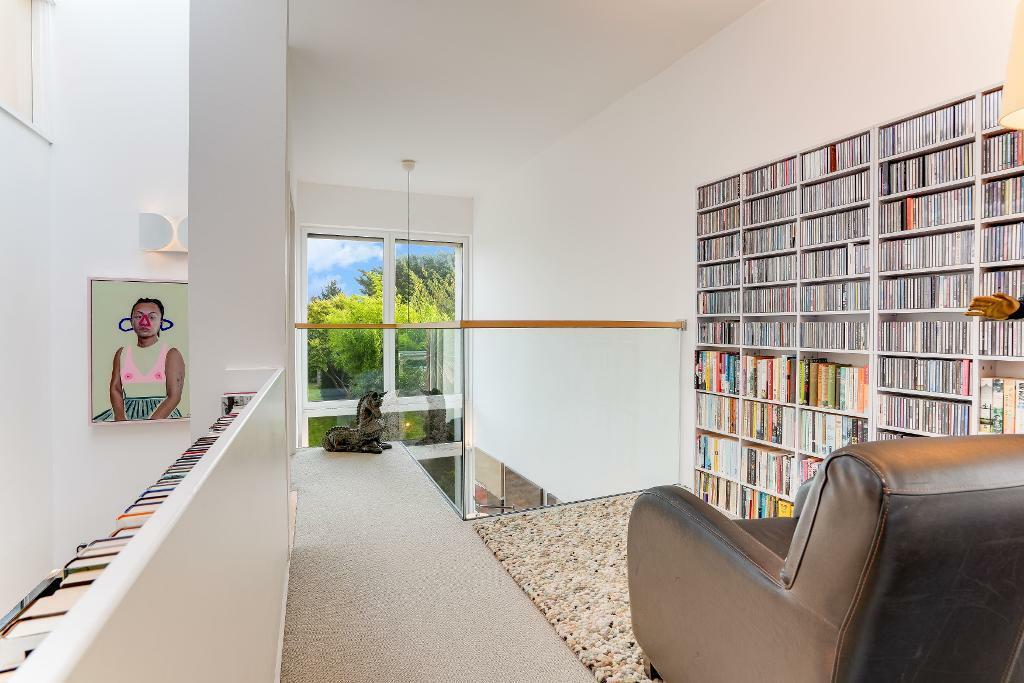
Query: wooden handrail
[[502, 324]]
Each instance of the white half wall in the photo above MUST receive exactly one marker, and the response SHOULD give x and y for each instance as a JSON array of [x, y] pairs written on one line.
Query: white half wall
[[25, 419], [601, 225], [120, 127], [339, 205], [238, 215]]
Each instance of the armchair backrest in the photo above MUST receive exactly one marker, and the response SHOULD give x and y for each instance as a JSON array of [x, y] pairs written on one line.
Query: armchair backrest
[[914, 550]]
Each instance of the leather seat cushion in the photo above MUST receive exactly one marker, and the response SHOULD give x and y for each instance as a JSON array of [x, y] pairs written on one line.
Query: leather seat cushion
[[774, 533]]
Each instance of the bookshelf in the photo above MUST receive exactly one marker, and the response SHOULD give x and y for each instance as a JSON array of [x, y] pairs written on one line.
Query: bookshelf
[[861, 253]]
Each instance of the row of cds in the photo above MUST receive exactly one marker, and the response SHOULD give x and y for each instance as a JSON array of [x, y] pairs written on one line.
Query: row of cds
[[768, 377], [769, 300], [836, 157], [940, 208], [717, 413], [926, 291], [1009, 281], [834, 227], [990, 104], [719, 275], [776, 206], [716, 371], [769, 422], [947, 418], [1002, 338], [718, 221], [1002, 243], [1002, 197], [845, 190], [717, 248], [923, 336], [723, 191], [849, 335], [928, 251], [852, 259], [739, 500], [893, 436], [718, 332], [770, 269], [769, 334], [772, 238], [852, 295], [823, 433], [771, 177], [1004, 151], [944, 166], [934, 127], [718, 302], [925, 374]]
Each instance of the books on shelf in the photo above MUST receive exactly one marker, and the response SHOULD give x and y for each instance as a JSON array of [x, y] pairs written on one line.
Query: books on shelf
[[851, 259], [739, 500], [947, 123], [718, 332], [773, 207], [1001, 409], [717, 371], [720, 220], [771, 177], [991, 102], [723, 191], [850, 295], [772, 238], [1002, 197], [769, 333], [838, 192], [927, 211], [923, 336], [928, 251], [727, 246], [809, 467], [944, 418], [850, 335], [925, 374], [768, 422], [1002, 337], [718, 302], [770, 300], [1003, 151], [834, 227], [918, 173], [717, 413], [769, 377], [926, 291], [1002, 242], [769, 269], [823, 433], [719, 454], [767, 468], [836, 157], [719, 275], [824, 384]]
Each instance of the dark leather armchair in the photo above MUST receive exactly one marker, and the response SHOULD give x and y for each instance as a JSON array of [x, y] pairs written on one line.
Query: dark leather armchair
[[905, 564]]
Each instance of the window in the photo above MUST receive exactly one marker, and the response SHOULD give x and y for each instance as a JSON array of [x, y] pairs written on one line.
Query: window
[[16, 56], [362, 276]]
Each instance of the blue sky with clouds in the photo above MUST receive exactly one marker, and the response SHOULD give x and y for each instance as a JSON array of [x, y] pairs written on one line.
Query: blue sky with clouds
[[342, 260]]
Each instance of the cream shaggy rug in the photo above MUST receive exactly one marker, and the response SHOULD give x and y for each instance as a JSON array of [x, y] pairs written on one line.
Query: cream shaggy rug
[[571, 561]]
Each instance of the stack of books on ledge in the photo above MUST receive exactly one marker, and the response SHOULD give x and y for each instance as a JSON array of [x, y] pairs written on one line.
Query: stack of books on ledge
[[28, 623]]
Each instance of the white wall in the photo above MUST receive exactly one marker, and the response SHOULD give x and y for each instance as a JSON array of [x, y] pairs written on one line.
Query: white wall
[[120, 130], [238, 225], [25, 421], [339, 205], [601, 225]]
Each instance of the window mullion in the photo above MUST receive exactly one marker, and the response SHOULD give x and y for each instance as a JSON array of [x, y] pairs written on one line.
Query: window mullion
[[389, 316]]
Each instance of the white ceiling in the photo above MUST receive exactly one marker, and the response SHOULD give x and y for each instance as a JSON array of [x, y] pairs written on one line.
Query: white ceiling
[[468, 88]]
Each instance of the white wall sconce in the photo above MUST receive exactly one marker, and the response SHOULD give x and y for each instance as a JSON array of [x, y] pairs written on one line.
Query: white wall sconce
[[159, 233]]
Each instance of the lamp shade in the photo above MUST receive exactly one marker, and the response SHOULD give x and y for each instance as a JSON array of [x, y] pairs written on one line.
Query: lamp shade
[[1012, 112]]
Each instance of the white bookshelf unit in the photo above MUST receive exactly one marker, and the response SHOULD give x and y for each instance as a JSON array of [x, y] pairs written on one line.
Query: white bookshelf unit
[[862, 255]]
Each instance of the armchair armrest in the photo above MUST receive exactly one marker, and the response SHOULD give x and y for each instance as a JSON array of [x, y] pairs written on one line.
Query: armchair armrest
[[699, 584]]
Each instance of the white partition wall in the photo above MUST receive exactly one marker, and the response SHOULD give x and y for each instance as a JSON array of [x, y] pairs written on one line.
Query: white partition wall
[[198, 595]]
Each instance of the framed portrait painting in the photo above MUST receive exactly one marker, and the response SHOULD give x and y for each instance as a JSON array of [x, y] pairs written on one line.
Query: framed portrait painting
[[138, 348]]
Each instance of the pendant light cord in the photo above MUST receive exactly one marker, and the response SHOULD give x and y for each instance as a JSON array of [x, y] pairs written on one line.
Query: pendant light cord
[[408, 246]]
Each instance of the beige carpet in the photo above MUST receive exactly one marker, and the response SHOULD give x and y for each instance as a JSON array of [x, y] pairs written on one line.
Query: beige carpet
[[571, 561], [388, 584]]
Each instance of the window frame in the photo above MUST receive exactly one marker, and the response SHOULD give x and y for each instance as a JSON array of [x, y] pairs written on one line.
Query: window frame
[[306, 409]]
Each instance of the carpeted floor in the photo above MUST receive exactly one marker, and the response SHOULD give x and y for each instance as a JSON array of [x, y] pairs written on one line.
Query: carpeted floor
[[571, 561], [388, 584]]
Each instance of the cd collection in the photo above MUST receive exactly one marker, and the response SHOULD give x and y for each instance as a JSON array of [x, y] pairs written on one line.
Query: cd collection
[[718, 221], [769, 377], [836, 157], [1002, 337], [1008, 281], [1002, 243], [945, 418], [928, 251], [925, 291], [947, 123], [715, 332], [852, 295], [727, 302], [1004, 151], [723, 191], [845, 190], [771, 177], [892, 436], [990, 105], [925, 374], [852, 259], [774, 207], [822, 433], [834, 227], [927, 211], [823, 384], [719, 275], [769, 422], [717, 413], [916, 173], [772, 238], [923, 336], [1003, 197], [769, 269], [769, 300], [769, 334], [849, 335], [727, 246], [717, 371]]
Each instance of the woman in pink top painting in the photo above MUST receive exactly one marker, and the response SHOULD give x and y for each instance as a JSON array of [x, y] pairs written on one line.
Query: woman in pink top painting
[[147, 377]]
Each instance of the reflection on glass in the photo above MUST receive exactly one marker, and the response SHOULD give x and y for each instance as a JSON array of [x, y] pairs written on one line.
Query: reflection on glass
[[344, 285], [434, 438], [318, 426], [426, 281], [428, 362]]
